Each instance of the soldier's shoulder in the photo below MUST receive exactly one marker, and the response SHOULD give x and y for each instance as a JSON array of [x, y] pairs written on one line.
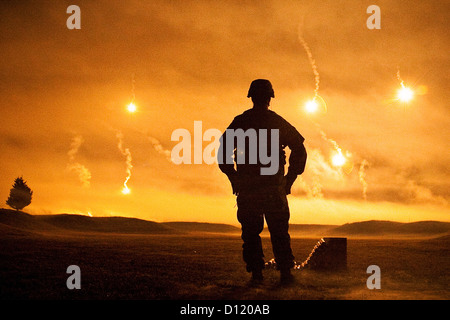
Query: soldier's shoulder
[[276, 116], [247, 112], [243, 115]]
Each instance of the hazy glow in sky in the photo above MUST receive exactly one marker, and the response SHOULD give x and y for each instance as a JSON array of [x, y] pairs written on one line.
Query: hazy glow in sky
[[66, 94]]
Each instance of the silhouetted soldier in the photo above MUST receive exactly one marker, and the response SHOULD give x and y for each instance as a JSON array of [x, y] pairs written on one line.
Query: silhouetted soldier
[[258, 194]]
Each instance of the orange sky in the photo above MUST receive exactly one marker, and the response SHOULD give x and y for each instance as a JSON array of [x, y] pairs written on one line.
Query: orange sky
[[193, 61]]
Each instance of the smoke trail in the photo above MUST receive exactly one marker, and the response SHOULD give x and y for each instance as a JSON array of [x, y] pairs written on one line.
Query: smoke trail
[[317, 81], [74, 146], [133, 87], [160, 149], [338, 160], [83, 173], [334, 143], [312, 62], [157, 145], [399, 78], [362, 177], [126, 152], [324, 137]]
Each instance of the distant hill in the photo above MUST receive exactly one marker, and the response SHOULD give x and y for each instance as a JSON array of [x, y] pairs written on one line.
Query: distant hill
[[23, 221], [372, 228], [103, 224], [383, 228], [79, 223], [20, 223]]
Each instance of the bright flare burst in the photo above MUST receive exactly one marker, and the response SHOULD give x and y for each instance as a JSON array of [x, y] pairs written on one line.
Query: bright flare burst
[[338, 160], [311, 106], [315, 106], [405, 94], [126, 190], [131, 107]]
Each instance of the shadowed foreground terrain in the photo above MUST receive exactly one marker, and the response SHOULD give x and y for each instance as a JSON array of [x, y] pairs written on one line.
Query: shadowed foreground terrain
[[203, 265]]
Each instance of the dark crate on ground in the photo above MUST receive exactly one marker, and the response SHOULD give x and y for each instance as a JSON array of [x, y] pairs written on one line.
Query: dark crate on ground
[[328, 254]]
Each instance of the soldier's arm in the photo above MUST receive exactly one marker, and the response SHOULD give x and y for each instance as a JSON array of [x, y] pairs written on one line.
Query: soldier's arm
[[297, 158], [225, 155], [226, 160]]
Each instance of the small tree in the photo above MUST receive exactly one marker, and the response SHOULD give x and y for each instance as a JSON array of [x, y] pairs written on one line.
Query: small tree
[[19, 195]]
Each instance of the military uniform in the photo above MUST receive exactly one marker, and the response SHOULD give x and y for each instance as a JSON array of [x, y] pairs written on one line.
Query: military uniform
[[260, 196]]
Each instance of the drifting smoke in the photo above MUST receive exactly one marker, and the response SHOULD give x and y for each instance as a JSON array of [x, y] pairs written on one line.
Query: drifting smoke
[[312, 62], [316, 188], [421, 194], [83, 173], [126, 152], [362, 177], [313, 191], [319, 171]]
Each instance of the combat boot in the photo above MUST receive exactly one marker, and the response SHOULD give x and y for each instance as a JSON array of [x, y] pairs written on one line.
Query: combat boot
[[286, 277], [257, 277]]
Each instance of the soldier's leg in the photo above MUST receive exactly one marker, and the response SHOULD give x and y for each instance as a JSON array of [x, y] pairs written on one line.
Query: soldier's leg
[[252, 223], [277, 218]]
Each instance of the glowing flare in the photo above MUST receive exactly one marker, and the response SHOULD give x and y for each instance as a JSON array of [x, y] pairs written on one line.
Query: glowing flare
[[315, 106], [126, 190], [405, 94], [311, 106], [338, 160], [131, 107]]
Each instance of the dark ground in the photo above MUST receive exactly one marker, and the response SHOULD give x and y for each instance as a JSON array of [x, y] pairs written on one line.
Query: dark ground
[[209, 266]]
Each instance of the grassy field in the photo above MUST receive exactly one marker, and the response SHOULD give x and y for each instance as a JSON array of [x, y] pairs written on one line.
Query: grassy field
[[209, 266]]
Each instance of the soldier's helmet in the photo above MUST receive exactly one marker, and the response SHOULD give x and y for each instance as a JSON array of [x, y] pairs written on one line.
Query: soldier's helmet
[[261, 88]]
